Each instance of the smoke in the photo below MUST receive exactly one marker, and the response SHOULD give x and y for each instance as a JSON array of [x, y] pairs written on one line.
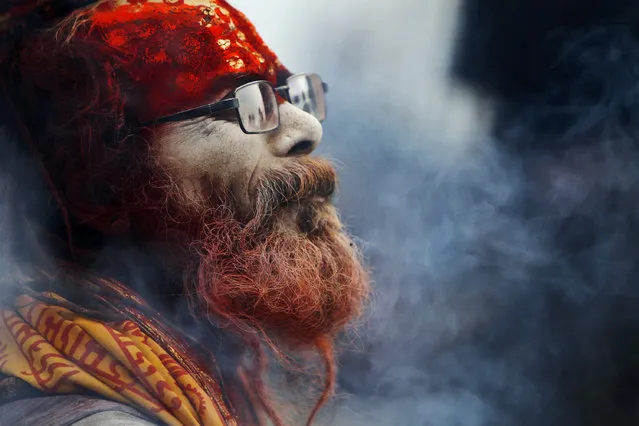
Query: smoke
[[499, 215]]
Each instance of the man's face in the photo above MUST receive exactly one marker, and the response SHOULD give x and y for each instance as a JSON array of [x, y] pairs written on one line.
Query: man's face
[[202, 154], [270, 249]]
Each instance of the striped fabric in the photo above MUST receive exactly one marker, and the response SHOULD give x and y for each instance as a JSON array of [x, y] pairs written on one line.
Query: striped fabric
[[59, 352]]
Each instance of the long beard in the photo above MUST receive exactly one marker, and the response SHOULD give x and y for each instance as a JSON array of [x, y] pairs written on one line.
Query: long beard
[[288, 270]]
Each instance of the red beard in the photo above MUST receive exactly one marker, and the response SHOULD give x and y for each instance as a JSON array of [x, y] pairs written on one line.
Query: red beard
[[287, 268], [283, 267], [298, 287]]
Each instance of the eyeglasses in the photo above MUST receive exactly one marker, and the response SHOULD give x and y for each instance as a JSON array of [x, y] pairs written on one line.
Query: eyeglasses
[[256, 103]]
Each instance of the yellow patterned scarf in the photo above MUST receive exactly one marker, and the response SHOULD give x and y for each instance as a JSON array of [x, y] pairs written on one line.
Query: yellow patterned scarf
[[58, 351]]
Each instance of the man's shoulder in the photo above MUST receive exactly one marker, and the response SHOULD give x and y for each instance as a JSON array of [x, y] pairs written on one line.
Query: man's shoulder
[[67, 410]]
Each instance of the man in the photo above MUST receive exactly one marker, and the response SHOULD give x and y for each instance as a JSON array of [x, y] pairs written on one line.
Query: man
[[161, 208]]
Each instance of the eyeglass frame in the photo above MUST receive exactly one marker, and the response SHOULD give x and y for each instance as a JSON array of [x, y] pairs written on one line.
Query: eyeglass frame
[[232, 103]]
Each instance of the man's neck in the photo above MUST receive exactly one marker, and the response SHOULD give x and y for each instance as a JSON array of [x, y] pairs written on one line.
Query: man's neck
[[146, 272]]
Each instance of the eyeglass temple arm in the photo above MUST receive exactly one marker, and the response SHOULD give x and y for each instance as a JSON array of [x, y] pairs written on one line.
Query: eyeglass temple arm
[[209, 109]]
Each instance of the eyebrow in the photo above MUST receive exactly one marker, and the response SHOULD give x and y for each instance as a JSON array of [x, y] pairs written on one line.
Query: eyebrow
[[233, 81], [282, 77], [246, 78]]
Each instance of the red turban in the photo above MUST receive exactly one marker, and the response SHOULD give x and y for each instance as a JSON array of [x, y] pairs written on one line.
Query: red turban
[[180, 53], [174, 54]]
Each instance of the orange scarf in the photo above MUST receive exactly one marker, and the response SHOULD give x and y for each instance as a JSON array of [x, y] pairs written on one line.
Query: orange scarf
[[58, 351]]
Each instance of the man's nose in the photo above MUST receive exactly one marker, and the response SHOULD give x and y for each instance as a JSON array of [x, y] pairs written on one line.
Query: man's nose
[[299, 133]]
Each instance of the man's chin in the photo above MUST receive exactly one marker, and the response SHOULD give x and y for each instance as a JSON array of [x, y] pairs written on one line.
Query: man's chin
[[300, 280]]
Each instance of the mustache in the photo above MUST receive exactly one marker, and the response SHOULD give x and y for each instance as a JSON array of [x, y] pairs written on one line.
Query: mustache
[[300, 180]]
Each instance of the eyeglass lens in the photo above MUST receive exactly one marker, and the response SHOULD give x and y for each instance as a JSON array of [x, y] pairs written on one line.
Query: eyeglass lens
[[257, 107], [306, 92], [257, 104]]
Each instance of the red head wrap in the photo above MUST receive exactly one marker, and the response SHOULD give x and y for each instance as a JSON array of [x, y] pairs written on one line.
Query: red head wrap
[[179, 54]]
